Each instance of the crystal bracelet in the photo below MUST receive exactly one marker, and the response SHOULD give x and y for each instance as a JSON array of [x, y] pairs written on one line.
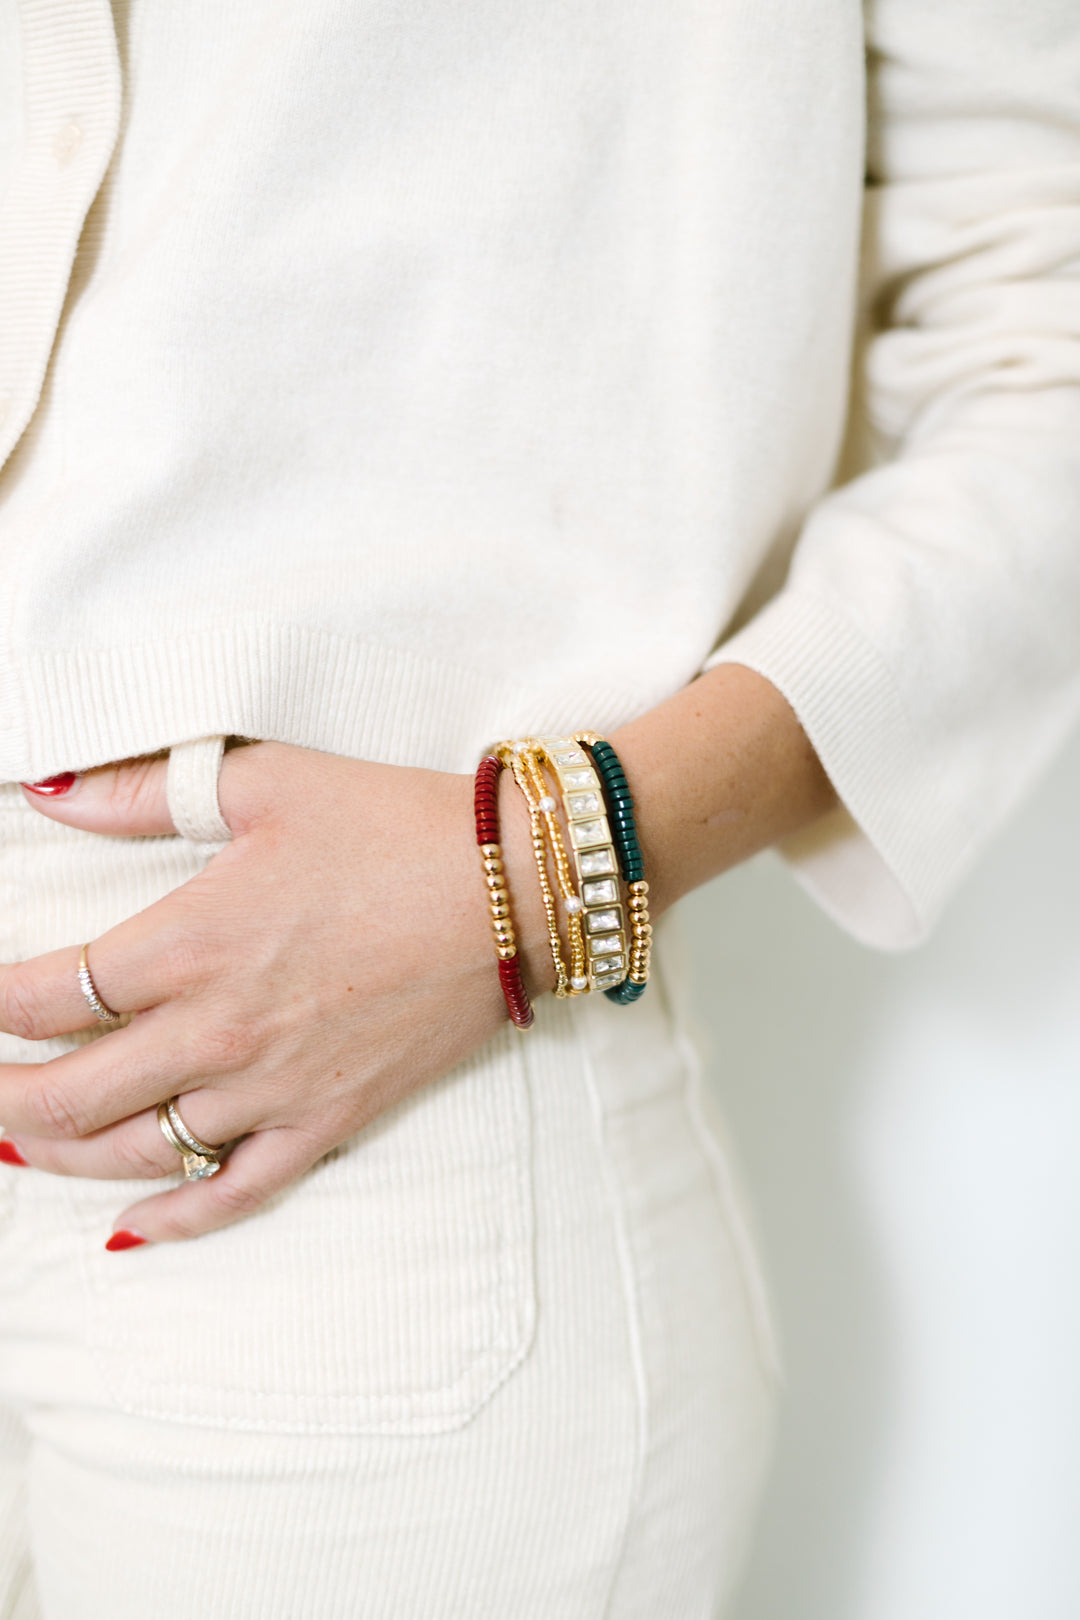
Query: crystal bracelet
[[594, 858], [486, 809]]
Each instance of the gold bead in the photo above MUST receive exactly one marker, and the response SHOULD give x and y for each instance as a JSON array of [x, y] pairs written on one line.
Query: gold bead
[[640, 887], [491, 851], [494, 880], [500, 911], [506, 952], [498, 897], [492, 864], [637, 902]]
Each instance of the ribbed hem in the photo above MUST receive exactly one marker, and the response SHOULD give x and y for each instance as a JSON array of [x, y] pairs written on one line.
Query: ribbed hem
[[883, 866], [280, 682]]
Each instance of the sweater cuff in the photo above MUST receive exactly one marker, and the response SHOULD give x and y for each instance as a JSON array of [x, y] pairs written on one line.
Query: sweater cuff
[[883, 863]]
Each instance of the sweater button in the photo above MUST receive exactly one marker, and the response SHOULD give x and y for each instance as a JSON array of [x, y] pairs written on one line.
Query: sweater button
[[66, 143]]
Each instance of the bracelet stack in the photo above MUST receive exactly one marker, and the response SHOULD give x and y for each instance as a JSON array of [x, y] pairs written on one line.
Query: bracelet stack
[[580, 872]]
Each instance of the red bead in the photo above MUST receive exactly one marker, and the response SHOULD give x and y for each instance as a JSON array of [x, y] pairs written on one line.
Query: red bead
[[486, 810], [486, 800], [518, 1004]]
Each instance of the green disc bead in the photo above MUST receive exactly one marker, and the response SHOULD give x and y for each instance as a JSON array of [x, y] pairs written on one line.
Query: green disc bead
[[626, 993]]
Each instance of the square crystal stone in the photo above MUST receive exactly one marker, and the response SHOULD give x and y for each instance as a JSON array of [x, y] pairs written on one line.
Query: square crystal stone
[[589, 832], [600, 860], [579, 779], [605, 942], [608, 964], [571, 756], [609, 981], [584, 804], [553, 744], [598, 894], [602, 922]]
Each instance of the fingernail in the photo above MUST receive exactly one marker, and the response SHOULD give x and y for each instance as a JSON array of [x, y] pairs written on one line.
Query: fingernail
[[125, 1239], [51, 787], [9, 1153]]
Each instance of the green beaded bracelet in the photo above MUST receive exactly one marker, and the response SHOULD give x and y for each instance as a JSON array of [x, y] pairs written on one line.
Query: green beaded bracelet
[[620, 811]]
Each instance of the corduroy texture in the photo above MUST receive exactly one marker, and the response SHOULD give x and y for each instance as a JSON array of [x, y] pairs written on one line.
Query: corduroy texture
[[503, 1354], [390, 320]]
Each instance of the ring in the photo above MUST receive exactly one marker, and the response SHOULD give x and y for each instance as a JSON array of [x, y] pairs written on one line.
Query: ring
[[89, 990], [200, 1160]]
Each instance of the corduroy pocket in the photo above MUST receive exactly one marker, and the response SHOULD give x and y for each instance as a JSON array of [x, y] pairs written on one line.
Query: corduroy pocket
[[390, 1291]]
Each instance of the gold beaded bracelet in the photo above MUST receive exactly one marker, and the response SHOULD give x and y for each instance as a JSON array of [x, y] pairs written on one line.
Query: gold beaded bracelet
[[515, 757]]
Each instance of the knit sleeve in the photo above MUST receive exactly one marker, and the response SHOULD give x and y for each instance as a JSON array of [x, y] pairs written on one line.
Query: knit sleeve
[[928, 634]]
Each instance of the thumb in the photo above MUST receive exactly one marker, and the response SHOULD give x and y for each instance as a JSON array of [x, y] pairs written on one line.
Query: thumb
[[128, 798]]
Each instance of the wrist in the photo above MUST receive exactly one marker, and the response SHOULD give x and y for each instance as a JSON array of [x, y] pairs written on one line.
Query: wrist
[[719, 772]]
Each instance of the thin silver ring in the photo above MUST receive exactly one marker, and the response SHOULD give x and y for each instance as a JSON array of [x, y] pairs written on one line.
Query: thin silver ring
[[89, 990], [200, 1159]]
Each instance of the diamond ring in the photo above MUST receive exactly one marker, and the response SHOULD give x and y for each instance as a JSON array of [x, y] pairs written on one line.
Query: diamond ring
[[89, 990], [200, 1160]]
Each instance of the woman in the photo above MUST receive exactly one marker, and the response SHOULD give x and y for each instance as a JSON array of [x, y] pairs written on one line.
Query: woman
[[382, 381]]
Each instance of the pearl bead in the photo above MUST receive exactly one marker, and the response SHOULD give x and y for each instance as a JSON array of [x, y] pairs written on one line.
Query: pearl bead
[[547, 803], [579, 983], [573, 905]]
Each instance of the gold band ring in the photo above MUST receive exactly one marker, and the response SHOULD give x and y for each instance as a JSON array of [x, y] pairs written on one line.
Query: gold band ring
[[200, 1159], [89, 990]]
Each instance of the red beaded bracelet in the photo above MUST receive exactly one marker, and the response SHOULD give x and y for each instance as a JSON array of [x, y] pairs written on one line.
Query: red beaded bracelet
[[486, 808]]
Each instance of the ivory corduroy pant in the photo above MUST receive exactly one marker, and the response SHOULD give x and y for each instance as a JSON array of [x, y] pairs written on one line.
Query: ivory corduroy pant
[[502, 1355]]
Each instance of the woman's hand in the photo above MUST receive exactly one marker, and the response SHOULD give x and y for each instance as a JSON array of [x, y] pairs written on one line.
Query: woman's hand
[[335, 956]]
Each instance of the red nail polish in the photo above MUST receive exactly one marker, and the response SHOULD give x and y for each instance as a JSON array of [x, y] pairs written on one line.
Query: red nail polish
[[9, 1153], [51, 787], [124, 1240]]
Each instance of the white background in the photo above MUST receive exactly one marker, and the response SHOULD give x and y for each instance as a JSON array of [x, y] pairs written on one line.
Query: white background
[[909, 1129]]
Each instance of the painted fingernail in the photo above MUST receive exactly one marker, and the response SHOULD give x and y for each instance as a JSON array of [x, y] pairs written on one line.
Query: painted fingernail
[[125, 1239], [51, 787], [9, 1153]]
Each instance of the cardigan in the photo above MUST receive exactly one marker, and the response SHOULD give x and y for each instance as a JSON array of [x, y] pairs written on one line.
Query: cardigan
[[386, 378]]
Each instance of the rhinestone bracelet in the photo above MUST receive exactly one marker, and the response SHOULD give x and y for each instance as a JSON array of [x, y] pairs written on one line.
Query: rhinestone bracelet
[[593, 849]]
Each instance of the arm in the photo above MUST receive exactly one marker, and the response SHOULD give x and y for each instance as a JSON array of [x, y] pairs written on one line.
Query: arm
[[336, 955], [928, 635]]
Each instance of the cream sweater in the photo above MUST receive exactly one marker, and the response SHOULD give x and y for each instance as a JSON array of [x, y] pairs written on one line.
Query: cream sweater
[[389, 377]]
